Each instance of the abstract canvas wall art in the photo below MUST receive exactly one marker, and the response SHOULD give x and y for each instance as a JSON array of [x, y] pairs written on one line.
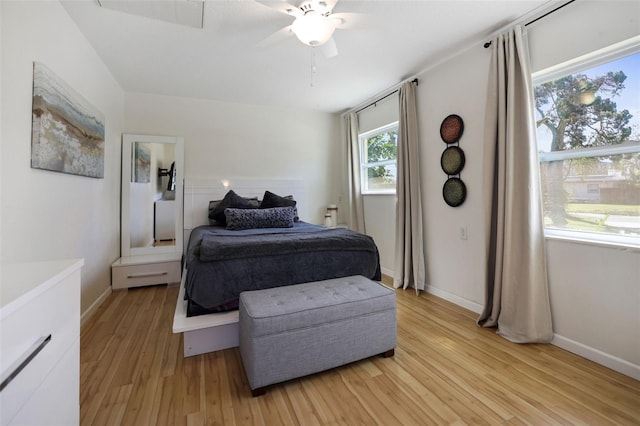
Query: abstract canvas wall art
[[67, 132], [141, 163]]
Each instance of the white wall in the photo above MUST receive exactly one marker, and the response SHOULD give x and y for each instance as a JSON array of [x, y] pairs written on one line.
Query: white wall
[[580, 28], [595, 294], [227, 140], [47, 215], [595, 302], [454, 266]]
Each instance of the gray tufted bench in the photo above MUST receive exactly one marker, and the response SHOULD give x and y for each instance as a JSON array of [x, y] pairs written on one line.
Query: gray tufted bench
[[290, 332]]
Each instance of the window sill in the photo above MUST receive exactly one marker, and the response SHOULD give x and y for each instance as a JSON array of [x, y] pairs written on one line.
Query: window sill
[[364, 194], [608, 241]]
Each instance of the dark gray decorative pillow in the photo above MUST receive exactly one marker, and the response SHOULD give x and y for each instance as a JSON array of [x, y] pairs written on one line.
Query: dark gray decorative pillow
[[270, 200], [276, 217], [253, 200], [230, 200]]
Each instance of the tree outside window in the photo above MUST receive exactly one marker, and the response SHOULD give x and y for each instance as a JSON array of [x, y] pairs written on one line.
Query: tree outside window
[[589, 137], [379, 154]]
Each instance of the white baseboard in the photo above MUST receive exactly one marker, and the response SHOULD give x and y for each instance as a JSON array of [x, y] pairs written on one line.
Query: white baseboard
[[94, 306], [460, 301], [386, 271], [450, 297], [617, 364]]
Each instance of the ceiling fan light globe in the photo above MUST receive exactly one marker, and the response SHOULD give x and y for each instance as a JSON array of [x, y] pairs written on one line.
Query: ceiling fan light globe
[[313, 29]]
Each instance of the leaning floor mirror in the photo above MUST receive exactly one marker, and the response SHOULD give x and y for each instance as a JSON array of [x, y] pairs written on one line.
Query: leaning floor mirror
[[152, 194]]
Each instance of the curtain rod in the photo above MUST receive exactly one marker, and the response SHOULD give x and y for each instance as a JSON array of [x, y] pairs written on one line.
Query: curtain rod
[[414, 81], [487, 44]]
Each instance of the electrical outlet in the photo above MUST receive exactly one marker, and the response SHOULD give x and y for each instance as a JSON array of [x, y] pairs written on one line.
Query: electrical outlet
[[463, 232]]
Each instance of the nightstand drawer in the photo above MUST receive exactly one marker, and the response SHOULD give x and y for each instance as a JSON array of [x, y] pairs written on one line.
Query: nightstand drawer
[[126, 276]]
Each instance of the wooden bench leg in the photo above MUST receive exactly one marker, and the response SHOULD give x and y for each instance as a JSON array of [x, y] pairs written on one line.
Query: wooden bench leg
[[389, 353], [259, 391]]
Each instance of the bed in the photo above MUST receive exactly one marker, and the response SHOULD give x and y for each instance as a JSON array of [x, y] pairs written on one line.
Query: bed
[[220, 263]]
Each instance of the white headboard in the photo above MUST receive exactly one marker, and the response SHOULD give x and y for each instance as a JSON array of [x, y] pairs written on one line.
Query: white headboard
[[198, 193]]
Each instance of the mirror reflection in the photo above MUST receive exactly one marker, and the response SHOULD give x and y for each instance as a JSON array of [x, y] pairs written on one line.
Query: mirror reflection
[[152, 195]]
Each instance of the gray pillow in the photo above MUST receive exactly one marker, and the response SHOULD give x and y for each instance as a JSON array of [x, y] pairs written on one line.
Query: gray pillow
[[253, 200], [230, 200], [276, 217], [270, 200]]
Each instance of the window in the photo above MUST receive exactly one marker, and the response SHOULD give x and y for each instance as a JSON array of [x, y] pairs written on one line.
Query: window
[[593, 188], [379, 149], [588, 117]]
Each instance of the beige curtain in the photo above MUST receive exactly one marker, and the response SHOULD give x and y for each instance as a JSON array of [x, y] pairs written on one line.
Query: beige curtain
[[517, 295], [354, 195], [409, 269]]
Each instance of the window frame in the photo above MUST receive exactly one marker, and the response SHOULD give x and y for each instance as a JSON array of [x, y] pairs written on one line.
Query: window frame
[[364, 165], [582, 63]]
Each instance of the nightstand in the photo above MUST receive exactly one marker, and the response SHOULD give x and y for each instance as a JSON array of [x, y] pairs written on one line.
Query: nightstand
[[138, 271]]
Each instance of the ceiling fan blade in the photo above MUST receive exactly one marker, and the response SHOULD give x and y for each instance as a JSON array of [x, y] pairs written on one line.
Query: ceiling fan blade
[[329, 49], [282, 6], [276, 37], [345, 21]]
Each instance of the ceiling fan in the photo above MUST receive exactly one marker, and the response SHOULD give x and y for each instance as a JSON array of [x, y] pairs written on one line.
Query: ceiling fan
[[314, 23]]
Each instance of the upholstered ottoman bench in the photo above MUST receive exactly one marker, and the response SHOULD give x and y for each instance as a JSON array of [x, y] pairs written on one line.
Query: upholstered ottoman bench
[[290, 332]]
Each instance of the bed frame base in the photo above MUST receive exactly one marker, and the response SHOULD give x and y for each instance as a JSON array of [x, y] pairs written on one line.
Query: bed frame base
[[210, 339], [205, 333]]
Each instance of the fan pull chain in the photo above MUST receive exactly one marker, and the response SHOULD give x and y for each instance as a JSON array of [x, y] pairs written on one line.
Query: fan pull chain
[[314, 69]]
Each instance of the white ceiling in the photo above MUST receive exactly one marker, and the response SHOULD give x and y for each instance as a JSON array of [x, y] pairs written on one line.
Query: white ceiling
[[221, 61]]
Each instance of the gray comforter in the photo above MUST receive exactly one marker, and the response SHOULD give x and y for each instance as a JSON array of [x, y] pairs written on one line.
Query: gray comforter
[[223, 263]]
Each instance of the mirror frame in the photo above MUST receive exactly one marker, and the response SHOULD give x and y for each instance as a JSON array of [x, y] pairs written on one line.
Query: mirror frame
[[125, 213]]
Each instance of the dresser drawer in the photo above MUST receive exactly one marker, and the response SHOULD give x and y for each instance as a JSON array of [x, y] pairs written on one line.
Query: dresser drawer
[[54, 312], [40, 409], [126, 276]]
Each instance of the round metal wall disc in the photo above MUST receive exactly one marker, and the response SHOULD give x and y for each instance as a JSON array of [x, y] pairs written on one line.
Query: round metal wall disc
[[451, 128], [452, 160], [454, 192]]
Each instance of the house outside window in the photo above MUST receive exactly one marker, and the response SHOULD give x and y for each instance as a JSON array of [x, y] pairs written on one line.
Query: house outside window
[[588, 118], [593, 188], [379, 151]]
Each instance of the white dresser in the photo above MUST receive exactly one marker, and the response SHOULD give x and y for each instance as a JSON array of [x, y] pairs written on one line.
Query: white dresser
[[40, 343]]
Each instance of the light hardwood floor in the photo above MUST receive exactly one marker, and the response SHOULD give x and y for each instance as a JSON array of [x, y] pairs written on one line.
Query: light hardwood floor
[[445, 371]]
